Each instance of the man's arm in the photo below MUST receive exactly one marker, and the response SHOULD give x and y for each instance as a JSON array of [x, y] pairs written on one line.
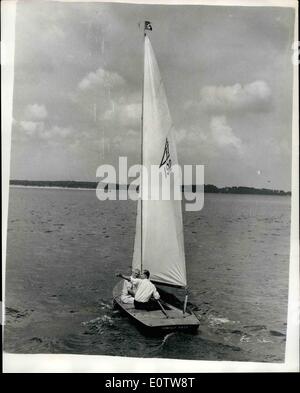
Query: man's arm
[[156, 295], [122, 276], [135, 281]]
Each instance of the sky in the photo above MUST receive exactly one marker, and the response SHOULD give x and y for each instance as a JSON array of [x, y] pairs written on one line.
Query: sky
[[227, 73]]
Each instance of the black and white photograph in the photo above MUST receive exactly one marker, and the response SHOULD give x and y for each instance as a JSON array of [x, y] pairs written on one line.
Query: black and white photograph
[[150, 181]]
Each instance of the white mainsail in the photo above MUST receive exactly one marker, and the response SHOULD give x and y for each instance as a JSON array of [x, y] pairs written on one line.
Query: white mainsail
[[159, 222]]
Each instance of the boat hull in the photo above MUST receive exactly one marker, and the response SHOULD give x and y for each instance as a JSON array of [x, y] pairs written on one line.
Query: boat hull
[[156, 321]]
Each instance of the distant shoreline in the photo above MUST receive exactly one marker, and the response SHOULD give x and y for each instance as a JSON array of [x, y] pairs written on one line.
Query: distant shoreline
[[52, 187], [208, 188]]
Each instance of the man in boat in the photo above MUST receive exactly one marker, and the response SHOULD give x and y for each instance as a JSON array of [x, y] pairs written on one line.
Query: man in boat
[[145, 291], [129, 289]]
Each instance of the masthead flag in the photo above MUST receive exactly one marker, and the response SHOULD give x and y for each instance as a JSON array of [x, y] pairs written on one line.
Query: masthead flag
[[148, 25]]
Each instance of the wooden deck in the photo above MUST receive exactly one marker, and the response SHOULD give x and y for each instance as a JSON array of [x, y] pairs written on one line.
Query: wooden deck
[[156, 319]]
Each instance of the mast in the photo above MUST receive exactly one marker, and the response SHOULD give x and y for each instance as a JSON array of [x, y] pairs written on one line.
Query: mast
[[147, 26], [142, 145]]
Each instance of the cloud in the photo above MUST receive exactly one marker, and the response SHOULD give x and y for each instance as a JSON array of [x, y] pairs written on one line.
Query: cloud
[[126, 144], [190, 137], [126, 115], [36, 112], [222, 133], [99, 96], [53, 132], [180, 135], [31, 127], [255, 96], [38, 130], [101, 78]]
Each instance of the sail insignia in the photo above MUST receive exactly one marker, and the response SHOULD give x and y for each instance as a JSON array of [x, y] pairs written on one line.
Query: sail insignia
[[166, 159]]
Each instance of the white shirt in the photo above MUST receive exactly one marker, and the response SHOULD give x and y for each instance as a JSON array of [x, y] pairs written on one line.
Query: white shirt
[[126, 297], [145, 289], [126, 287]]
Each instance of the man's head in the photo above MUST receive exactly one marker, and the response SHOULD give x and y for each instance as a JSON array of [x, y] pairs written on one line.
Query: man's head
[[136, 273], [146, 274]]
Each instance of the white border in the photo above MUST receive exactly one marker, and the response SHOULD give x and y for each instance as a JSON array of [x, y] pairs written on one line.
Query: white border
[[240, 3], [87, 363], [8, 14], [292, 342]]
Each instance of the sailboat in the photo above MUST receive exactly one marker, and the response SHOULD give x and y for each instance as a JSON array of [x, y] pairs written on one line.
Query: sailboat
[[159, 243]]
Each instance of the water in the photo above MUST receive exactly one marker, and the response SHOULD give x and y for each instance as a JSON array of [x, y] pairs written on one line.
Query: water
[[64, 248]]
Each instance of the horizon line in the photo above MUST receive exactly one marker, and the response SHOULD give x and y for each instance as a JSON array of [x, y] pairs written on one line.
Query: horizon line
[[274, 190]]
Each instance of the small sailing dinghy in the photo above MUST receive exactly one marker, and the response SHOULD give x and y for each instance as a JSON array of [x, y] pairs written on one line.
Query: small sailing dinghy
[[159, 245]]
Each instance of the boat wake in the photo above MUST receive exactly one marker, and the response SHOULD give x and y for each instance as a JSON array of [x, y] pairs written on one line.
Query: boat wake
[[98, 325], [165, 339], [162, 343], [220, 329], [104, 306]]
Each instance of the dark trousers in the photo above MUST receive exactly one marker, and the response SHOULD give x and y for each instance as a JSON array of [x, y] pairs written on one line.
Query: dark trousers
[[151, 305]]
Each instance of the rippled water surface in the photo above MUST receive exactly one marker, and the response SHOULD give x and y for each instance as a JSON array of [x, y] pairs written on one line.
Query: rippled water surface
[[64, 247]]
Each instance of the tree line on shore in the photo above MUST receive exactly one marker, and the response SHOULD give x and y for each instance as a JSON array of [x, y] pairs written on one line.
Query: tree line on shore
[[208, 188]]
